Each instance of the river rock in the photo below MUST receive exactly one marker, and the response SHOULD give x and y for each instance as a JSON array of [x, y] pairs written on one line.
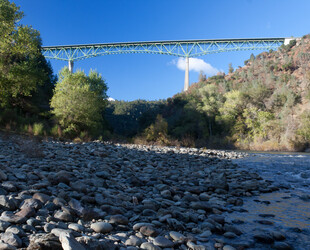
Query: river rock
[[26, 212], [58, 231], [149, 246], [119, 219], [194, 246], [278, 235], [228, 247], [101, 227], [176, 236], [6, 203], [33, 203], [41, 197], [16, 230], [163, 242], [4, 225], [149, 231], [76, 227], [3, 176], [282, 246], [133, 241], [11, 239], [12, 218], [137, 226], [68, 242], [44, 241], [264, 238], [63, 216]]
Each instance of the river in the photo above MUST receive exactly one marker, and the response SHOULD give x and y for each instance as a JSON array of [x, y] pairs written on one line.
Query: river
[[286, 211]]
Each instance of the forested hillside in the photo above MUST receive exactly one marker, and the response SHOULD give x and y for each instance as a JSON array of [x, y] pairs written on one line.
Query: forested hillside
[[264, 105], [261, 106]]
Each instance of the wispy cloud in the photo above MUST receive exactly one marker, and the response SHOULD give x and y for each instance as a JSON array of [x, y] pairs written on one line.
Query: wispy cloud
[[195, 64]]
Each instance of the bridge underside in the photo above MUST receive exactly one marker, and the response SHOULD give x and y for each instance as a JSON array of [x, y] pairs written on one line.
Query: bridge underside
[[186, 48]]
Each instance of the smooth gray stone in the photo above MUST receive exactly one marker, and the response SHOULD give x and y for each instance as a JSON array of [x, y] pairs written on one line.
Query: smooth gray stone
[[5, 246], [6, 203], [68, 242], [176, 236], [11, 239], [163, 242], [101, 227], [76, 227], [133, 241], [12, 218], [58, 231], [149, 246]]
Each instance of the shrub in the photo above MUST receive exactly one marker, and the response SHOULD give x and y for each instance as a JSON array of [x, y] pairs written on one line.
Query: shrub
[[158, 131], [38, 129]]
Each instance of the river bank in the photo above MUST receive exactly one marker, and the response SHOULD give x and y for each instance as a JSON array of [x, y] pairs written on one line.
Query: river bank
[[120, 196]]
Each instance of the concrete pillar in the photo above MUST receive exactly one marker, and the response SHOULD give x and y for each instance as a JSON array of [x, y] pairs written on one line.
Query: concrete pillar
[[186, 80], [71, 66]]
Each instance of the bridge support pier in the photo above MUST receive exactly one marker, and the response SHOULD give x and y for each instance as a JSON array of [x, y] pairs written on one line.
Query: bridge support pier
[[71, 66], [186, 80]]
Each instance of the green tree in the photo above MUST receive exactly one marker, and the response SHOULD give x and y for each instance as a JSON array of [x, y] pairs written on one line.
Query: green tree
[[78, 102], [22, 66], [211, 101], [258, 122], [231, 113]]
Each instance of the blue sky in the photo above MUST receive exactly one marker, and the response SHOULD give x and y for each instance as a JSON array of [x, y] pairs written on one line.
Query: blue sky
[[153, 77]]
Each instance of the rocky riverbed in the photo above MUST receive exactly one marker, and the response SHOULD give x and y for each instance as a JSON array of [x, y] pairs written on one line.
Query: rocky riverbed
[[57, 195]]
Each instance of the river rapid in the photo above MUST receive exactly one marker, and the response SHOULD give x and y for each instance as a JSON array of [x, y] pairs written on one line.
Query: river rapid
[[286, 211]]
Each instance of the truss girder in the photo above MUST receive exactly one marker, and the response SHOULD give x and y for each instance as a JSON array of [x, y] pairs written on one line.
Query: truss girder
[[189, 48]]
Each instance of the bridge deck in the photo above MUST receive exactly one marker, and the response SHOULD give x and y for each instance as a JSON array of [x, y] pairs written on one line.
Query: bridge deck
[[167, 42], [180, 48]]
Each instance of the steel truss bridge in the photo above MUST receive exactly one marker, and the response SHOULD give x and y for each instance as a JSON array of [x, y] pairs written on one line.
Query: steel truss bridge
[[181, 48]]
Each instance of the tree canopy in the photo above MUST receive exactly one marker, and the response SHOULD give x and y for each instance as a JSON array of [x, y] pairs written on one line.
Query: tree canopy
[[22, 66], [79, 101]]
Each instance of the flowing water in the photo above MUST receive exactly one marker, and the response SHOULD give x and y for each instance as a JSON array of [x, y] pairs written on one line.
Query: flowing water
[[286, 211]]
